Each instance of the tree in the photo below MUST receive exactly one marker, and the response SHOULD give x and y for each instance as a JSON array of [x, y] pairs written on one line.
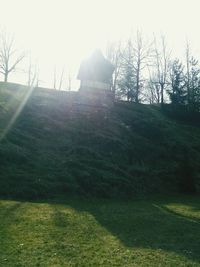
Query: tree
[[58, 82], [178, 92], [135, 58], [69, 81], [192, 81], [188, 71], [194, 85], [153, 90], [61, 79], [161, 65], [141, 52], [9, 57], [54, 78], [127, 75], [114, 55], [33, 74]]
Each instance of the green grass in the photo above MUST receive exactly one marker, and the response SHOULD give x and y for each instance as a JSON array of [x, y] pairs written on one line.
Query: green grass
[[132, 150], [73, 160], [79, 232]]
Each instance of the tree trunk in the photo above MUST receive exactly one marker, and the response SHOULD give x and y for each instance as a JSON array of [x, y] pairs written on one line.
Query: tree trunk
[[6, 77], [137, 92], [162, 94], [138, 81]]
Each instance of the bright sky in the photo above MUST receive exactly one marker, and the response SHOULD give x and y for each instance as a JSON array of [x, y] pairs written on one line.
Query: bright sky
[[62, 32]]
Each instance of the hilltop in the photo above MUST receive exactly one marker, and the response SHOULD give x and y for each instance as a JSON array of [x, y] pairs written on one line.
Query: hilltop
[[131, 150]]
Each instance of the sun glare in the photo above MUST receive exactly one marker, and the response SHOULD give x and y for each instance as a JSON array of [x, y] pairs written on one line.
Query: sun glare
[[16, 114], [61, 33]]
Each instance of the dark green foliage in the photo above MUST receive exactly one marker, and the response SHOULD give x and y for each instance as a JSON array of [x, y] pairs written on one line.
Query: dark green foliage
[[186, 173], [182, 114], [178, 92], [193, 85], [185, 87]]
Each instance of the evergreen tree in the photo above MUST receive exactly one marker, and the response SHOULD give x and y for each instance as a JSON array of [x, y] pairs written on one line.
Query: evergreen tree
[[193, 81], [178, 92]]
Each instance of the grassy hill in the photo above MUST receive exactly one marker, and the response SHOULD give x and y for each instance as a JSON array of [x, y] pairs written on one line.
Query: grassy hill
[[51, 150], [47, 148]]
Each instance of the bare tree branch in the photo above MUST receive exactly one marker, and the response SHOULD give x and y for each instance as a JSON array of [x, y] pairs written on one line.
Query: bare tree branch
[[8, 55], [161, 66]]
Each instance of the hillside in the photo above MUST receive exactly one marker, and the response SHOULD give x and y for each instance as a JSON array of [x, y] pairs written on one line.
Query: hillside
[[132, 150]]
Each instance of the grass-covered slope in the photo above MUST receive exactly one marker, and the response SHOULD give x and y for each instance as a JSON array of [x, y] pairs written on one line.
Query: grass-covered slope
[[51, 148]]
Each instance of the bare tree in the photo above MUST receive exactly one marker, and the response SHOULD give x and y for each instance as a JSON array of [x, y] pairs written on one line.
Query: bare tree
[[57, 82], [69, 81], [153, 91], [162, 61], [127, 74], [153, 88], [188, 67], [32, 74], [135, 57], [114, 54], [29, 73], [141, 51], [61, 79], [9, 57], [54, 78]]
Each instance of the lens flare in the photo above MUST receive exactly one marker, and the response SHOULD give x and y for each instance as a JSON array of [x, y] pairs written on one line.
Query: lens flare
[[17, 113]]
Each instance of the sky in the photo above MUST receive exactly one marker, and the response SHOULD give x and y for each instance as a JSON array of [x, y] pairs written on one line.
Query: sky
[[61, 33]]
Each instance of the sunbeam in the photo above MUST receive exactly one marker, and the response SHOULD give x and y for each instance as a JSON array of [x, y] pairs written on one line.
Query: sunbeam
[[17, 113]]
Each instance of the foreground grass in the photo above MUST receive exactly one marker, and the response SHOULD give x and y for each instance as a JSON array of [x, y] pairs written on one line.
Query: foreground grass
[[161, 232]]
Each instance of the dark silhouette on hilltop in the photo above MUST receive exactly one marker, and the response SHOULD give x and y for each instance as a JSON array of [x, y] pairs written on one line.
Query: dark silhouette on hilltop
[[96, 68]]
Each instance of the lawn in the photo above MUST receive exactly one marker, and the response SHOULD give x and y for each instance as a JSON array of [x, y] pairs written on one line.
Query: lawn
[[83, 233]]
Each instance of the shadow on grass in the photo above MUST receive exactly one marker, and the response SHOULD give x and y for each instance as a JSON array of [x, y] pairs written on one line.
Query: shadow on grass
[[137, 224], [148, 225]]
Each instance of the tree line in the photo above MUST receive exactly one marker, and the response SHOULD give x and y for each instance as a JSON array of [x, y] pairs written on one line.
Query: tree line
[[145, 72], [11, 59]]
